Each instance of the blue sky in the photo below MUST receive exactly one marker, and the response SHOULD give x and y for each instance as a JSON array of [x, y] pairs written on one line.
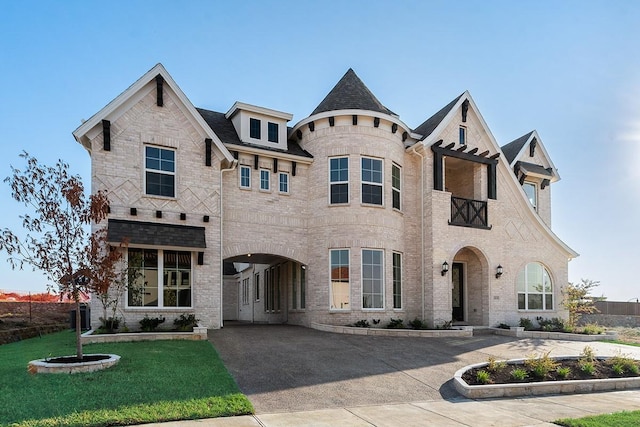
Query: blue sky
[[568, 69]]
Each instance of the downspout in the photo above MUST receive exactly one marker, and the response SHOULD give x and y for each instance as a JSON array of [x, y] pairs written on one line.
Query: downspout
[[422, 221], [234, 164]]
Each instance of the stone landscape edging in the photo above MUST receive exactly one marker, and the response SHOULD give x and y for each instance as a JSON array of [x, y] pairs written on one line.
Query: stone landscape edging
[[519, 332], [464, 331], [42, 366], [542, 387], [199, 333]]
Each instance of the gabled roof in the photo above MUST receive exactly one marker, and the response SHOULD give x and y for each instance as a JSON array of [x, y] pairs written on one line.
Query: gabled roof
[[512, 149], [429, 125], [513, 152], [80, 134], [223, 127], [350, 93]]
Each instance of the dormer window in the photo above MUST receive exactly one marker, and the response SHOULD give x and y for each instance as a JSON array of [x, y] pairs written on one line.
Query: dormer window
[[463, 135], [254, 128], [273, 132]]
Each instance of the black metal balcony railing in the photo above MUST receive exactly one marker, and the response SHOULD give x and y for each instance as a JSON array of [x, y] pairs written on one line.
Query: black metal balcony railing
[[469, 213]]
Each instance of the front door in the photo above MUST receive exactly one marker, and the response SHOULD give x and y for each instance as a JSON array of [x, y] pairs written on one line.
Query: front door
[[457, 297]]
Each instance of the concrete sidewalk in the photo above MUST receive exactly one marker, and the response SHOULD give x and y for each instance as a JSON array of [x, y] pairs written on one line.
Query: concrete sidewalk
[[534, 411]]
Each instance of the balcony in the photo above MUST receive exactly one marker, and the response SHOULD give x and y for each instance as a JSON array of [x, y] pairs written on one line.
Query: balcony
[[469, 213]]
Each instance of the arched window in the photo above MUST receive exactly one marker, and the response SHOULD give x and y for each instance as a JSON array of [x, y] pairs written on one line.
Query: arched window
[[535, 290]]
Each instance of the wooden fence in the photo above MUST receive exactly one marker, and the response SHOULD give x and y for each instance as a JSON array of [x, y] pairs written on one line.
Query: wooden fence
[[618, 308]]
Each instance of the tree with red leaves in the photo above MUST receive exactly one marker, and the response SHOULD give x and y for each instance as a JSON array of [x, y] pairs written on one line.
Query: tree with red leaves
[[57, 240]]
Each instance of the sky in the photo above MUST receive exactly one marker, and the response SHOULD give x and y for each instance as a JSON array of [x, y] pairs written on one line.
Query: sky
[[568, 69]]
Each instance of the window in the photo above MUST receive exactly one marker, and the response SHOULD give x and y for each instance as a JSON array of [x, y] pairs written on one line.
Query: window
[[148, 289], [245, 291], [463, 135], [273, 132], [531, 192], [535, 290], [397, 280], [303, 287], [395, 185], [371, 181], [160, 171], [245, 177], [340, 288], [294, 287], [339, 180], [372, 279], [264, 179], [256, 283], [283, 182], [254, 128]]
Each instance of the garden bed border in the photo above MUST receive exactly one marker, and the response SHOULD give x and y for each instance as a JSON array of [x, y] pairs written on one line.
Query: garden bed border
[[519, 332], [541, 387], [199, 333], [456, 331]]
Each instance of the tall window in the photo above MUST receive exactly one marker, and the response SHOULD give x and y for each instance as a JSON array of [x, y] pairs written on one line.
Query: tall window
[[273, 132], [245, 177], [372, 279], [256, 284], [254, 128], [160, 171], [532, 194], [283, 182], [535, 290], [303, 287], [339, 180], [148, 289], [371, 181], [397, 280], [340, 289], [463, 135], [245, 291], [294, 286], [177, 278], [395, 185], [264, 179]]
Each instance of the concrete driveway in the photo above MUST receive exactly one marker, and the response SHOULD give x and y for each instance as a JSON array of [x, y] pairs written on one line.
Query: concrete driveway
[[285, 368]]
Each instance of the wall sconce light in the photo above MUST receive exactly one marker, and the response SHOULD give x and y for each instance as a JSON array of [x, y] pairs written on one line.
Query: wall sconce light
[[445, 268], [498, 271]]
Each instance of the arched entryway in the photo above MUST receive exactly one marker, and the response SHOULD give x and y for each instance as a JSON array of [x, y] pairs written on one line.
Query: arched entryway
[[470, 287], [262, 288]]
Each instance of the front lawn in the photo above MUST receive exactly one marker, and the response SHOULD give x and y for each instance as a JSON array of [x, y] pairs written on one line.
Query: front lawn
[[154, 381], [619, 419]]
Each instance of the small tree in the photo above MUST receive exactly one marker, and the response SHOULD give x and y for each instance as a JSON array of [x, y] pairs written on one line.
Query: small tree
[[109, 276], [56, 242], [577, 300]]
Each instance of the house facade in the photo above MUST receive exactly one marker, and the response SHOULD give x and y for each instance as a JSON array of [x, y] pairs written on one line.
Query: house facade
[[349, 214]]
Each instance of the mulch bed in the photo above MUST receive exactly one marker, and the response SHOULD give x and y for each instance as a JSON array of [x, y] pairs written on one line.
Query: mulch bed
[[503, 375]]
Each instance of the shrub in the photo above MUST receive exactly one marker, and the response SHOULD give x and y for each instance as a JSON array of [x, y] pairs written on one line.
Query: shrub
[[563, 371], [376, 321], [395, 324], [588, 367], [483, 377], [445, 324], [362, 324], [540, 366], [109, 324], [555, 324], [418, 324], [149, 324], [618, 368], [494, 365], [504, 326], [593, 329], [621, 363], [519, 374], [587, 354], [186, 322], [526, 323]]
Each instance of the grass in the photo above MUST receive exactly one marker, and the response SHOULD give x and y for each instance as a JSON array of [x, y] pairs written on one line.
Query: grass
[[635, 344], [619, 419], [154, 381]]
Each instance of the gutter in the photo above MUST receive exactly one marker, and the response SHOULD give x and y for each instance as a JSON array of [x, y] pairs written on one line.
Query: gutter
[[413, 149], [234, 164]]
